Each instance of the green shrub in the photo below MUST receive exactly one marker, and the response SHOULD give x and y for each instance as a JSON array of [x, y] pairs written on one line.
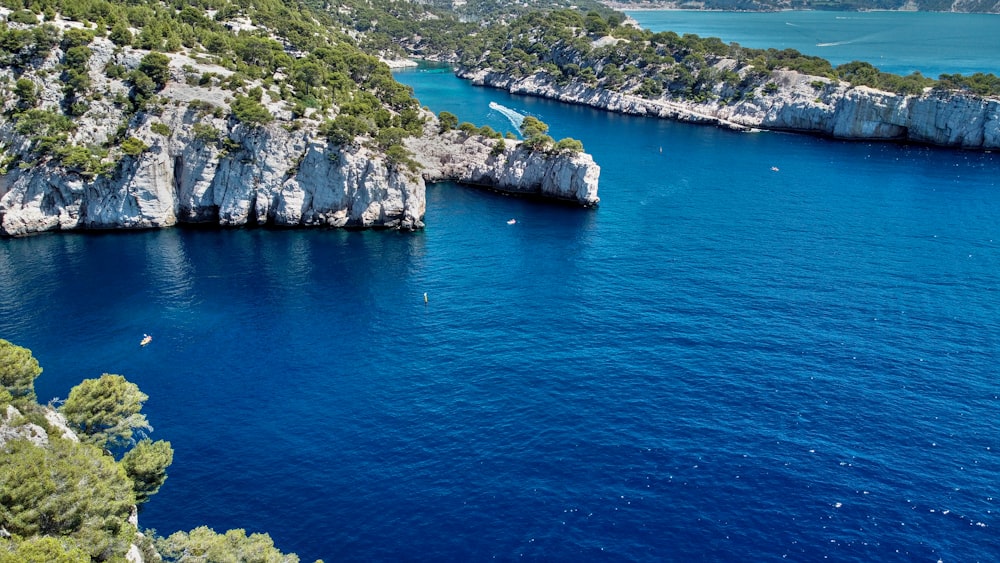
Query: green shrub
[[18, 370], [87, 161], [569, 144], [76, 37], [114, 71], [538, 142], [206, 133], [447, 120], [249, 110], [397, 155], [979, 83], [70, 491], [134, 147], [390, 136], [160, 128], [146, 465], [23, 16], [345, 129], [498, 148], [26, 92], [120, 34], [75, 157], [43, 122], [157, 67], [234, 545]]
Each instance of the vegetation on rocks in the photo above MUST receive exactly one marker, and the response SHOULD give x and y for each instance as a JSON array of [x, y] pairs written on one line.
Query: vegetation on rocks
[[596, 47], [105, 412], [66, 491], [604, 52], [55, 488], [69, 501], [18, 370], [235, 546], [278, 60]]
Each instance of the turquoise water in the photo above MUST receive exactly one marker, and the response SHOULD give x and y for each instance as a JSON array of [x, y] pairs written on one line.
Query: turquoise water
[[721, 362], [897, 42]]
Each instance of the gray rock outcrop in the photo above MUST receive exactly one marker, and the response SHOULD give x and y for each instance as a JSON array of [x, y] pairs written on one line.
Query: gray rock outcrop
[[13, 426]]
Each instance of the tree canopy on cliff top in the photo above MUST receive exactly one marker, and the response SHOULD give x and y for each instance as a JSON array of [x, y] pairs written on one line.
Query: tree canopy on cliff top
[[605, 52], [307, 59], [18, 370]]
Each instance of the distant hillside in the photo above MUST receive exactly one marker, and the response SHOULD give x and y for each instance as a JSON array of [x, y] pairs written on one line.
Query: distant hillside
[[968, 6], [603, 63]]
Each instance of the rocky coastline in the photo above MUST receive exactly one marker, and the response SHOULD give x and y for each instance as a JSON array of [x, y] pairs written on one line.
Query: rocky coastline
[[796, 103], [197, 164], [473, 160], [272, 177]]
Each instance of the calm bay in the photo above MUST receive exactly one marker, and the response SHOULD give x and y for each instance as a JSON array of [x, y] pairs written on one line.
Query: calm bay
[[721, 361]]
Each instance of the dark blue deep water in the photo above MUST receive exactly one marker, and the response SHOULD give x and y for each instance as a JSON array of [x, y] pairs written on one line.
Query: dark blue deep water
[[721, 362]]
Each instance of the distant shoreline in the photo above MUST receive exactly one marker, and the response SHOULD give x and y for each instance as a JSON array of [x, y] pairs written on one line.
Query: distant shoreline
[[670, 7]]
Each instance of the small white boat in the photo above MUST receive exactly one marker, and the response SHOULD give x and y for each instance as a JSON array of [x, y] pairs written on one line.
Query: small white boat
[[512, 221], [774, 169], [146, 339]]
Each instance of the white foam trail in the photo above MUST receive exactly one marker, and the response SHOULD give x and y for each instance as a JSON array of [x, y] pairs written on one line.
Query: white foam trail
[[514, 117]]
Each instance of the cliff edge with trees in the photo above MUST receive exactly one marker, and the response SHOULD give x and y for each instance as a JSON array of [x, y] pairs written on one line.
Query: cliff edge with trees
[[72, 476], [148, 114], [605, 62]]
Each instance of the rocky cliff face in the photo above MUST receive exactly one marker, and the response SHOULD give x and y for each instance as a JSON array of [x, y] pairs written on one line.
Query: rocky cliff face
[[801, 103], [473, 159], [266, 176], [201, 165]]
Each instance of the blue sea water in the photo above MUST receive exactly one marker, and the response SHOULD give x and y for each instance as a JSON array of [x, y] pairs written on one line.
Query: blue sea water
[[721, 362], [896, 42]]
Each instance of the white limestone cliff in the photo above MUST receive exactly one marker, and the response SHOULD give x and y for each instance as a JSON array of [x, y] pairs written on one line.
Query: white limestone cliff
[[472, 159], [801, 103], [264, 176], [203, 166]]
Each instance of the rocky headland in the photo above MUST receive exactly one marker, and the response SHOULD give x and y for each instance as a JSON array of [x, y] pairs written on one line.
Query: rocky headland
[[796, 102], [187, 160], [474, 160]]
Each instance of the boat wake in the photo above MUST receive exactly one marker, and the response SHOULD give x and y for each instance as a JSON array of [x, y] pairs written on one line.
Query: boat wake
[[514, 117]]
